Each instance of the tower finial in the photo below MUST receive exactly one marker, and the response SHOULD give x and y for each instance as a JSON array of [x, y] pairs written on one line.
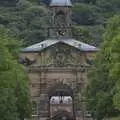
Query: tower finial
[[61, 19]]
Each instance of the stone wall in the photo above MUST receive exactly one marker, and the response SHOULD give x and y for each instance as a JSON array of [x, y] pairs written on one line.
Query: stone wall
[[44, 74]]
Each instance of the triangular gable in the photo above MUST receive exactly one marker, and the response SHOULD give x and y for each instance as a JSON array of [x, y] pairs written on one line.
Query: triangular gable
[[45, 44]]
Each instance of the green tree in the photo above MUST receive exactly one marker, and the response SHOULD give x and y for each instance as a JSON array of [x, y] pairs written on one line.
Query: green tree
[[14, 95], [8, 2], [114, 31], [8, 108], [115, 69], [102, 80], [8, 104], [84, 14], [83, 34], [27, 21]]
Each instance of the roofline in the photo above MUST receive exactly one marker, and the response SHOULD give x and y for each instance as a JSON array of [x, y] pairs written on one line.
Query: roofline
[[45, 48], [39, 51]]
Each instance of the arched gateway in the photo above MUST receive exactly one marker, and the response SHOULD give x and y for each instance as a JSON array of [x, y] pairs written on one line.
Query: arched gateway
[[57, 69], [61, 101]]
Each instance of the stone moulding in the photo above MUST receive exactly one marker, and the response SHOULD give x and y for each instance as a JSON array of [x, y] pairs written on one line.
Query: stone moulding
[[57, 69]]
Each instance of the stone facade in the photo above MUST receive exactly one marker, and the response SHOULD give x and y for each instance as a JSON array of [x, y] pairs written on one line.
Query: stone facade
[[57, 70], [45, 75]]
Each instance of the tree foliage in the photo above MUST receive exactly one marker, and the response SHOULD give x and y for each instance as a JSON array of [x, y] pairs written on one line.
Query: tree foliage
[[104, 76], [28, 19], [14, 95], [84, 14], [83, 34]]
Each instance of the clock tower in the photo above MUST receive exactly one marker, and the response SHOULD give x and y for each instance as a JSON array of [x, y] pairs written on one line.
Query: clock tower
[[60, 19]]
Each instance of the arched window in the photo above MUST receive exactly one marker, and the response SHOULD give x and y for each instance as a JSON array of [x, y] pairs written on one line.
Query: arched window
[[60, 90], [60, 19], [61, 94]]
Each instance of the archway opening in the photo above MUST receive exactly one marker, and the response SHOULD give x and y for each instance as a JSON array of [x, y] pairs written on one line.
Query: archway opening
[[60, 20], [61, 94], [60, 90], [61, 98]]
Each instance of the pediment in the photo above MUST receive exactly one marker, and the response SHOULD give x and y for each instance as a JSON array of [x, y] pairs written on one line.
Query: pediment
[[58, 55], [69, 41]]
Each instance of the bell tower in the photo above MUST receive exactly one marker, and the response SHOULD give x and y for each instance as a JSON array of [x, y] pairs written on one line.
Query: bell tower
[[60, 19]]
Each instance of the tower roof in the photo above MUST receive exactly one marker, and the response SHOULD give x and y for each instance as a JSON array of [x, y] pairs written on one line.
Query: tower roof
[[61, 3]]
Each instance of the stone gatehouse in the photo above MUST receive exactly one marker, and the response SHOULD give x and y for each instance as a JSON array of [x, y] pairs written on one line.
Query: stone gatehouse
[[57, 69]]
